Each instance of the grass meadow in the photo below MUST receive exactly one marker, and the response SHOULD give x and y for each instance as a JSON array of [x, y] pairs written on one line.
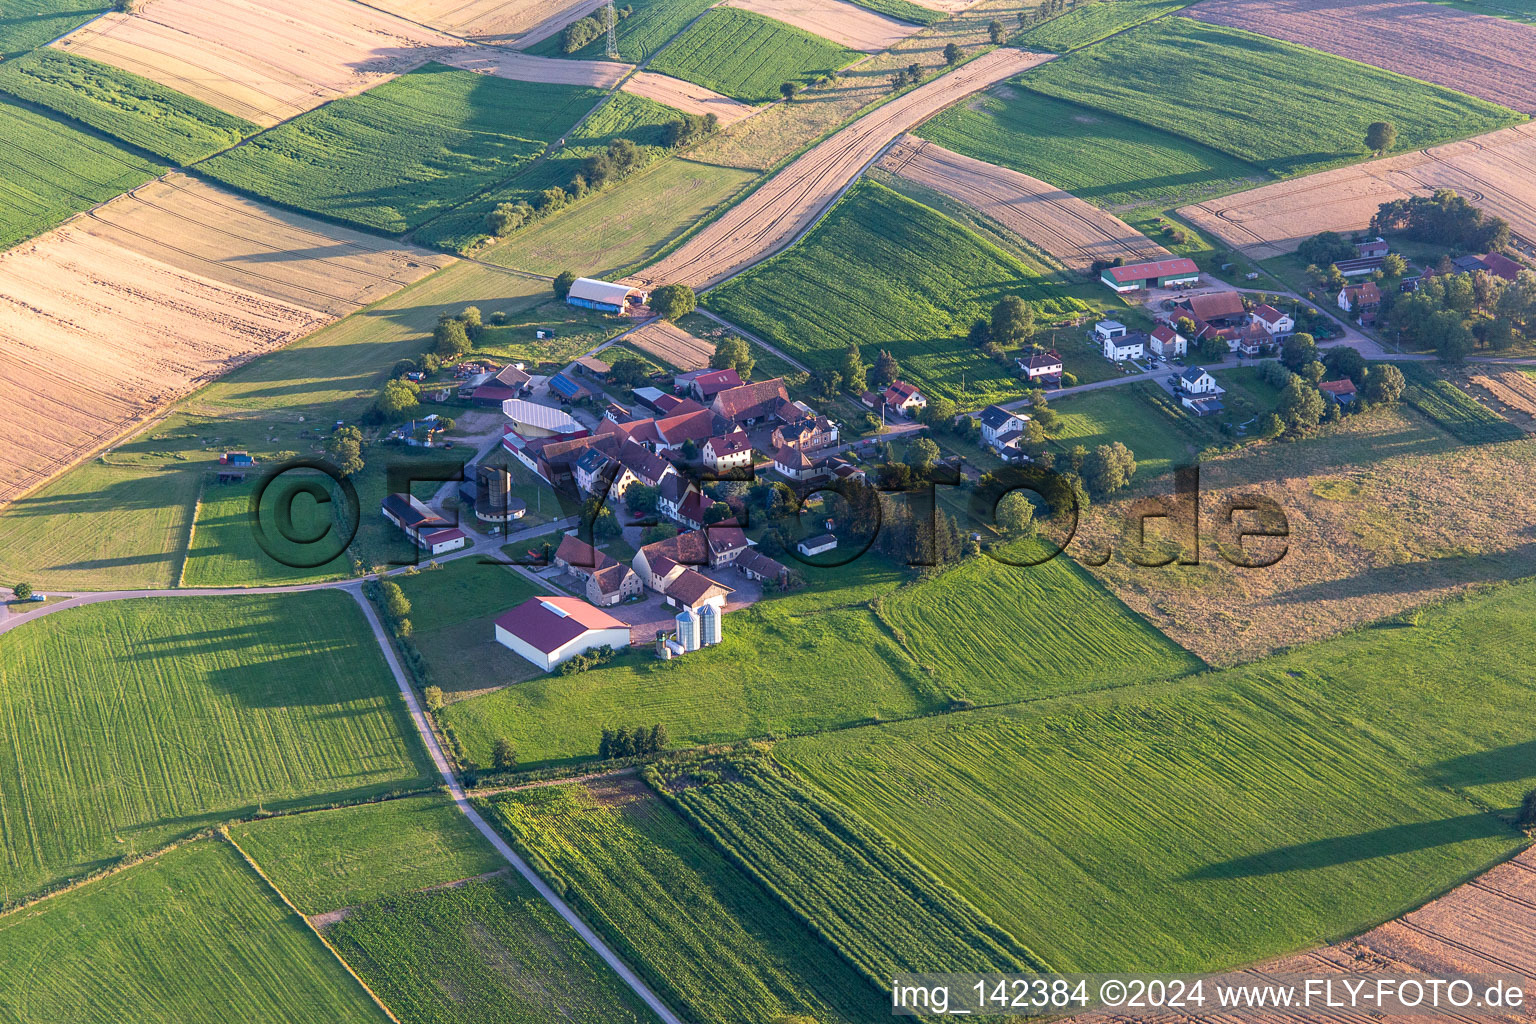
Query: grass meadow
[[747, 56], [1285, 108], [650, 26], [713, 944], [140, 112], [130, 723], [1107, 160], [193, 936], [1160, 441], [26, 24], [890, 273], [53, 171], [406, 151], [225, 550], [453, 610], [1323, 791], [881, 910], [1088, 24]]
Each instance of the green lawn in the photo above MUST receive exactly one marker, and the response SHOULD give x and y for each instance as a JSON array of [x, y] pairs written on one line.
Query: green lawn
[[404, 152], [1161, 441], [651, 26], [890, 273], [713, 944], [1092, 22], [26, 24], [1283, 107], [346, 856], [136, 110], [194, 936], [880, 909], [129, 723], [1095, 155], [747, 56], [50, 171], [453, 611], [1321, 791]]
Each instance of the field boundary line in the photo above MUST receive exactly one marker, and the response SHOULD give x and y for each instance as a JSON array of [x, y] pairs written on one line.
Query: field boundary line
[[224, 834], [582, 929], [186, 549], [98, 876]]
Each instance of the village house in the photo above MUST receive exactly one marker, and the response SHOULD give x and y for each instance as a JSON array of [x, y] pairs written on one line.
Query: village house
[[1342, 392], [550, 630], [674, 494], [659, 563], [1361, 300], [1042, 367], [704, 385], [1199, 392], [794, 463], [750, 403], [1277, 325], [1167, 343], [807, 431], [1124, 345], [728, 452], [1001, 429], [900, 399]]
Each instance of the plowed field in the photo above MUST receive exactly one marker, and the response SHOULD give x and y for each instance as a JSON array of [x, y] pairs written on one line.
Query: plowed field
[[672, 345]]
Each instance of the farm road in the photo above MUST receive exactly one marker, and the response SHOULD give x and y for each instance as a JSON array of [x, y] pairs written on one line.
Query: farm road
[[790, 203]]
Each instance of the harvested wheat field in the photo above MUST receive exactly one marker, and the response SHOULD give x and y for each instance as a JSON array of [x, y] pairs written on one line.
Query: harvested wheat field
[[520, 22], [672, 345], [1491, 58], [102, 323], [1075, 232], [1493, 171], [1484, 927], [263, 60], [855, 27], [687, 97], [523, 67], [1515, 392], [795, 198]]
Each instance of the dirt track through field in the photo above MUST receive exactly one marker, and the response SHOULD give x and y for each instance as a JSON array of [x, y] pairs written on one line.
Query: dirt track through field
[[1493, 171], [525, 67], [1073, 231], [792, 200], [263, 60], [855, 27], [111, 317], [672, 345], [687, 97], [1488, 57], [1484, 927]]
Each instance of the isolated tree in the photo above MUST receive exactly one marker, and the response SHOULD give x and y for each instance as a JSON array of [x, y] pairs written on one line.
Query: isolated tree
[[1297, 351], [1301, 406], [789, 90], [827, 382], [939, 412], [507, 218], [921, 454], [640, 499], [1394, 265], [1527, 816], [433, 695], [628, 370], [1345, 362], [1380, 136], [473, 322], [732, 352], [396, 604], [1384, 385], [23, 591], [855, 374], [1013, 321], [396, 398], [952, 54], [1271, 426], [996, 32], [1108, 468], [345, 450], [503, 755], [671, 301], [563, 282], [886, 369], [451, 338], [1015, 514]]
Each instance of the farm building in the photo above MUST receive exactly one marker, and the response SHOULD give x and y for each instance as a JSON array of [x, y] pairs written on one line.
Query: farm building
[[757, 566], [1214, 307], [549, 630], [530, 419], [411, 515], [648, 397], [750, 403], [237, 458], [693, 590], [490, 494], [1170, 273], [590, 366], [660, 563], [604, 296], [566, 388], [1372, 248], [439, 542], [817, 545], [1045, 367], [1342, 392], [1361, 266], [509, 382]]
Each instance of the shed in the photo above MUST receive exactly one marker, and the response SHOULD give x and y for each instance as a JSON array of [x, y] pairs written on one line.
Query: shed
[[605, 296]]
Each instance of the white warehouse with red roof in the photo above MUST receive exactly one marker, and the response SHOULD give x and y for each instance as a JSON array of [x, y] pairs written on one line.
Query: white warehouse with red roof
[[549, 630]]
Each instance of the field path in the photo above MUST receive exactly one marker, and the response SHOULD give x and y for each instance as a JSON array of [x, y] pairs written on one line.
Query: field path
[[794, 199], [523, 67], [1073, 231], [687, 97]]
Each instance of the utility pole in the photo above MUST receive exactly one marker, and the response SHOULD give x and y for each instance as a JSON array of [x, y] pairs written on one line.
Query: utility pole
[[612, 17]]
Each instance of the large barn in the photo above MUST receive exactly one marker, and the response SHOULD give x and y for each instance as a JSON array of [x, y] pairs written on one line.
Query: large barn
[[604, 296], [550, 630], [1169, 273]]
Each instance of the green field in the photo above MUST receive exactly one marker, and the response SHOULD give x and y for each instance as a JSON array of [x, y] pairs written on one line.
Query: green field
[[193, 937], [1104, 159], [1283, 107], [140, 112], [226, 552], [453, 609], [129, 723], [878, 908], [712, 943], [747, 56], [406, 151], [905, 10], [1161, 442], [1454, 411], [635, 118], [892, 274], [50, 171], [1092, 22], [346, 856], [1323, 791], [650, 27], [26, 24]]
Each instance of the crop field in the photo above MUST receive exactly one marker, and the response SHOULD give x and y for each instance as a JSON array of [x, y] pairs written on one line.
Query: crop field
[[505, 22], [623, 116], [705, 935], [53, 171], [407, 150], [639, 36], [1285, 108], [193, 936], [193, 710], [877, 907], [262, 60], [1092, 22], [484, 950], [844, 23], [1160, 442], [1513, 390], [1488, 57], [136, 110], [1325, 790], [905, 10], [673, 346], [1493, 170], [1107, 160], [27, 24], [747, 56], [881, 266], [1456, 412]]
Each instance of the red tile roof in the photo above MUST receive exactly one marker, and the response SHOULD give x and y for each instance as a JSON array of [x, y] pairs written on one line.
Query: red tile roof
[[1269, 314], [692, 587], [1215, 305], [750, 400], [1156, 268], [1337, 387], [549, 623], [733, 443], [715, 381]]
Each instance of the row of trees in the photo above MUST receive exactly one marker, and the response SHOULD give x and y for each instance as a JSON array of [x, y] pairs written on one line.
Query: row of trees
[[636, 742]]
